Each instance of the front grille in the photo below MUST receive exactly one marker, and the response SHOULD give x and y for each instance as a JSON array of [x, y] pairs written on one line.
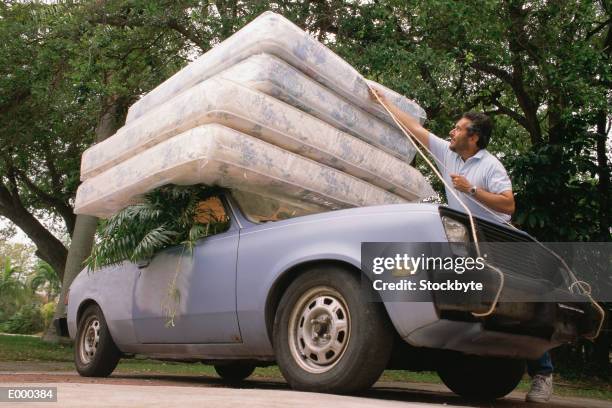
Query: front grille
[[518, 253], [513, 251]]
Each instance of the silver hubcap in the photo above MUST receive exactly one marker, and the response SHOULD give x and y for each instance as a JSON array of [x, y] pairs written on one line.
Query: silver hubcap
[[319, 329], [90, 338]]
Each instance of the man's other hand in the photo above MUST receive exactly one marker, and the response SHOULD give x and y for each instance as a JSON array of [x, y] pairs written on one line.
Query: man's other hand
[[461, 183]]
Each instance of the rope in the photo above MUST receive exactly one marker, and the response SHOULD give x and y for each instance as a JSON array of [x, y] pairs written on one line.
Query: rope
[[408, 133], [578, 283]]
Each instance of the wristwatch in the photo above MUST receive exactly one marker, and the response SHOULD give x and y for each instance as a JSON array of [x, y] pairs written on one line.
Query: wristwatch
[[472, 190]]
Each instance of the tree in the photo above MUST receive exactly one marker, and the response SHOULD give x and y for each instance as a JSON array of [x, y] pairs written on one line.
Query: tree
[[65, 82], [12, 289], [44, 277], [19, 253]]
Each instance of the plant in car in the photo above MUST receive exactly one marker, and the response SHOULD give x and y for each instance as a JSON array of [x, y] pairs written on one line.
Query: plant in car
[[167, 216]]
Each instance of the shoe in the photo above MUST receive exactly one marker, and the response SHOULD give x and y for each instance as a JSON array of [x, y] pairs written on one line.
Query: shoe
[[541, 388]]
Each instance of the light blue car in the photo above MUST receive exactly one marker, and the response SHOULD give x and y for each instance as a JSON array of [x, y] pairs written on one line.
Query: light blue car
[[280, 287]]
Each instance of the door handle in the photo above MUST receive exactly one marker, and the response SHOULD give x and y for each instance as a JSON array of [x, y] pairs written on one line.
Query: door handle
[[143, 263]]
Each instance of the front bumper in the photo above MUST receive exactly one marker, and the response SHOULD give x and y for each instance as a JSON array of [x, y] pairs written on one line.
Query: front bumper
[[474, 338], [522, 308], [534, 299]]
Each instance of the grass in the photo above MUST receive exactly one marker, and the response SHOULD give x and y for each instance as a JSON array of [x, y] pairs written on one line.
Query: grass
[[60, 358], [29, 348]]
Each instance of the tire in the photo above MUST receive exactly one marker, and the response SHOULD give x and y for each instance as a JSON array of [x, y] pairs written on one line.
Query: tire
[[353, 340], [234, 372], [481, 378], [95, 352]]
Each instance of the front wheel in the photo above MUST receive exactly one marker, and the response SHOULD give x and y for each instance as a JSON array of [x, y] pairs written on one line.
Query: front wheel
[[327, 338], [95, 352], [481, 378]]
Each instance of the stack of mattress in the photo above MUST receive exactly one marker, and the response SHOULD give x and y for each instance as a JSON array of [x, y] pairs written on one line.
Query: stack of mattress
[[269, 111]]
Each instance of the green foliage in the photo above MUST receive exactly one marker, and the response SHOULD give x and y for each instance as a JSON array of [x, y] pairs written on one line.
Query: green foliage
[[166, 217], [65, 66], [19, 253], [45, 278], [13, 292], [47, 311], [27, 320], [553, 189], [19, 304]]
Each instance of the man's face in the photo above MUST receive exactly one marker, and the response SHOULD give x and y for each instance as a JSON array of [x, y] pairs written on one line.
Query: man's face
[[460, 137]]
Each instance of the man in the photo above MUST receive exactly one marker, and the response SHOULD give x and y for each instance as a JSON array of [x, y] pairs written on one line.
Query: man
[[476, 175], [466, 165]]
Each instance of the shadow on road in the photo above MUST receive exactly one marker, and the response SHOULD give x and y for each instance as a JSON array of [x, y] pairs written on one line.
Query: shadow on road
[[381, 391]]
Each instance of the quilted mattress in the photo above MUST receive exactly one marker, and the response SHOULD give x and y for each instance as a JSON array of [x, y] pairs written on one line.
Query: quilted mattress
[[217, 155], [255, 113], [276, 78], [273, 34]]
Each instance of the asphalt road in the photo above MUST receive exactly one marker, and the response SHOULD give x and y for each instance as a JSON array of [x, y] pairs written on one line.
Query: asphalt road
[[153, 391]]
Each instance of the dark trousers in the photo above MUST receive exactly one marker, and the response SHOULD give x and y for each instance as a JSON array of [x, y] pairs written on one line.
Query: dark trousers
[[542, 366]]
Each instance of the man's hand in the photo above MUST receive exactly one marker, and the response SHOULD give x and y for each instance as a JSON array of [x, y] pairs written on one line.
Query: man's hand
[[405, 119], [461, 183], [374, 93], [502, 202]]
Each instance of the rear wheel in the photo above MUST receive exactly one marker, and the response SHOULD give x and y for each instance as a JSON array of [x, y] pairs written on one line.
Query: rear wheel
[[95, 352], [234, 372], [481, 378], [326, 337]]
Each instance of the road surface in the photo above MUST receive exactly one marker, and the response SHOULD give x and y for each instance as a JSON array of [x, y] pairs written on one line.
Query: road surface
[[151, 391]]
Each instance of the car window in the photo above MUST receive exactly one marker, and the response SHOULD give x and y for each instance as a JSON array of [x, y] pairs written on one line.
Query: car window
[[259, 209], [212, 213]]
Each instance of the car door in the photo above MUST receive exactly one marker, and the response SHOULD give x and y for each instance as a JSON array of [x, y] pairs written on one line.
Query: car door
[[190, 298]]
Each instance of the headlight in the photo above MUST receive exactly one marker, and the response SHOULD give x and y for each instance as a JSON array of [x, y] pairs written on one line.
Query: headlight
[[455, 231], [457, 235]]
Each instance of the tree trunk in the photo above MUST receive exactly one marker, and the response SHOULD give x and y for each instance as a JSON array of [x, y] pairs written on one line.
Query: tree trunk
[[85, 225], [49, 248]]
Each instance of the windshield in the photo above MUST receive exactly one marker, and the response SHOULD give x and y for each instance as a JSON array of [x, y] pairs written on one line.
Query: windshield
[[259, 209]]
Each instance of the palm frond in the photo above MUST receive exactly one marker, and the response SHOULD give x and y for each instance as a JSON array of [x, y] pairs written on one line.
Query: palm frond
[[46, 277], [154, 241], [166, 217], [143, 212]]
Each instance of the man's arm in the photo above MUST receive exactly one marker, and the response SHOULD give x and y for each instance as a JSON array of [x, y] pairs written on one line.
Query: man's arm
[[502, 202], [406, 120]]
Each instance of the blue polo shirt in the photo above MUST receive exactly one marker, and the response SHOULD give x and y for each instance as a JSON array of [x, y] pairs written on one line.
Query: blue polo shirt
[[482, 170]]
